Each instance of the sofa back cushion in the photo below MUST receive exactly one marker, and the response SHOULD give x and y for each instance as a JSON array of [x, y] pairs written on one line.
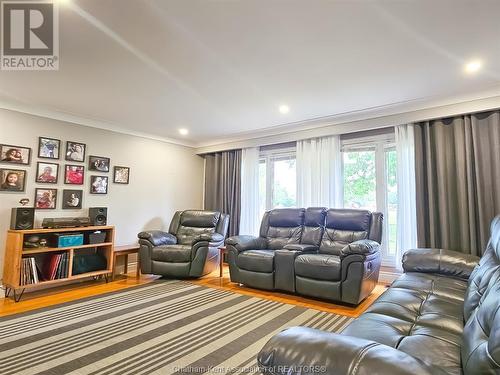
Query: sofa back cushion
[[481, 337], [480, 349], [193, 223], [343, 226], [483, 273], [282, 226], [314, 225]]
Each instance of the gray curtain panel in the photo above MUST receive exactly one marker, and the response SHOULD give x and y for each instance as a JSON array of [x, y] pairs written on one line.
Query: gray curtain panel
[[223, 186], [458, 180]]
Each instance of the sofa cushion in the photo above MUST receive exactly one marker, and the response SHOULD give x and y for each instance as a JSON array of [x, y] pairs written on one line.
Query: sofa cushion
[[421, 314], [172, 253], [286, 217], [318, 266], [186, 235], [314, 224], [348, 220], [256, 260], [199, 219], [278, 237], [334, 240]]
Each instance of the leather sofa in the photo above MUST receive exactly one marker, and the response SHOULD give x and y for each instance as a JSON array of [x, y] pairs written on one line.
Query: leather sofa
[[190, 248], [331, 254], [442, 316]]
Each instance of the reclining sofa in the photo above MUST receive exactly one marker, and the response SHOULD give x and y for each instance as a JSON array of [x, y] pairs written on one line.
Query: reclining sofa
[[442, 316], [330, 254], [189, 249]]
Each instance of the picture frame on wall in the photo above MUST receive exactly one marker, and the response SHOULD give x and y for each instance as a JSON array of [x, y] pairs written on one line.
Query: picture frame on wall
[[45, 199], [11, 154], [121, 175], [47, 173], [72, 199], [74, 174], [98, 184], [99, 163], [48, 148], [12, 179], [75, 151]]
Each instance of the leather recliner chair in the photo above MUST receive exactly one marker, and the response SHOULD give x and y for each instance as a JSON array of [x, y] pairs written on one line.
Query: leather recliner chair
[[188, 249], [330, 254]]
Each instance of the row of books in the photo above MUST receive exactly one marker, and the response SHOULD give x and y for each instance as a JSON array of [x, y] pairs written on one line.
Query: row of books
[[29, 271], [56, 266]]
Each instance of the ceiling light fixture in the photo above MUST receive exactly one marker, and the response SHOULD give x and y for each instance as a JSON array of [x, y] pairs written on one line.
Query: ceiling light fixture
[[473, 66], [284, 109], [183, 131]]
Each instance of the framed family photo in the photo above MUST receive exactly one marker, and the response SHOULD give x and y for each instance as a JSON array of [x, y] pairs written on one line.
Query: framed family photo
[[45, 199], [75, 151], [72, 199], [98, 185], [98, 163], [12, 179], [15, 154], [121, 175], [74, 174], [47, 173], [48, 148]]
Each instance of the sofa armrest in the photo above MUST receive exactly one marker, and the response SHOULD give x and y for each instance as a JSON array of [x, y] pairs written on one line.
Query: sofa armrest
[[301, 247], [444, 262], [307, 351], [361, 247], [158, 237], [213, 239], [242, 243]]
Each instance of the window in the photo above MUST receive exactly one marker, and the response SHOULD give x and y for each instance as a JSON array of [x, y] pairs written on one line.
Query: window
[[369, 170], [277, 179]]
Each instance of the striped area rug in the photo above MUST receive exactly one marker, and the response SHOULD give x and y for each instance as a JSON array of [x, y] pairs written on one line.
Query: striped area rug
[[166, 327]]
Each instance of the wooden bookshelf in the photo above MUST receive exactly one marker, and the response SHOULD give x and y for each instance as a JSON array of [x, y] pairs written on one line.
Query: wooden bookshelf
[[15, 251]]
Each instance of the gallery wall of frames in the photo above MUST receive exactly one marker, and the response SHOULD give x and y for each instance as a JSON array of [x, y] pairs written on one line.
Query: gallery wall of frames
[[57, 160]]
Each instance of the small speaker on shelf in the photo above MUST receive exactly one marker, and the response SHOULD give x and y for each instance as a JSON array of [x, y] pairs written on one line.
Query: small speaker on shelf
[[22, 218], [98, 215]]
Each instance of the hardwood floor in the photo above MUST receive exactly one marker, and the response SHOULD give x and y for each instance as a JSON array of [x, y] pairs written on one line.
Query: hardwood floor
[[54, 296]]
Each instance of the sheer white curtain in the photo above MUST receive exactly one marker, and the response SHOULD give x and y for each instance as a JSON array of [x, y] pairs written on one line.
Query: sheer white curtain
[[250, 215], [319, 172], [407, 210]]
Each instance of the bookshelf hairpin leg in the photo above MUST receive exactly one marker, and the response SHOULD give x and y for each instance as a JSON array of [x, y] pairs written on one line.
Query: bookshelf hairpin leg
[[17, 297], [7, 292]]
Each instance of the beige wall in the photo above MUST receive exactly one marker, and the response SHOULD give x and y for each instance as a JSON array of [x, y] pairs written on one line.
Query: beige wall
[[163, 178]]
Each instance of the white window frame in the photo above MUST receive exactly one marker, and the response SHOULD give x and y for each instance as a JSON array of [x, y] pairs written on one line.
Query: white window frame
[[380, 144], [269, 156]]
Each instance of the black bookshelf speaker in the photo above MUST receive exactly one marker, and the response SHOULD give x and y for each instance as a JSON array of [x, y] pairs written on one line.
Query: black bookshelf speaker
[[22, 218], [98, 215]]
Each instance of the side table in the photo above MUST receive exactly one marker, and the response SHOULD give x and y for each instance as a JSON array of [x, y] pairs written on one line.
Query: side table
[[125, 250], [222, 251]]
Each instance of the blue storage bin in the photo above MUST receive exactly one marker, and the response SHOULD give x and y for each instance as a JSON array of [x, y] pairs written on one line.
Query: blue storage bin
[[68, 240]]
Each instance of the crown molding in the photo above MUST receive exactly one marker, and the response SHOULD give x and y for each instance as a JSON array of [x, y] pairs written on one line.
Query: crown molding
[[367, 119], [349, 122], [84, 121]]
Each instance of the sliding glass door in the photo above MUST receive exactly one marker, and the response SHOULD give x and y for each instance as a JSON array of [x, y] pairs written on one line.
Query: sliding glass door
[[277, 180], [369, 178]]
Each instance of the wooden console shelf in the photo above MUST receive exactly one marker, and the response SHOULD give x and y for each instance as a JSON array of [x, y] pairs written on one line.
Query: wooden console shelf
[[15, 252]]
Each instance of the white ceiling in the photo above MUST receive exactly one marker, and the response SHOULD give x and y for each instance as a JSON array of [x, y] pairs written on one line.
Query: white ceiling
[[222, 68]]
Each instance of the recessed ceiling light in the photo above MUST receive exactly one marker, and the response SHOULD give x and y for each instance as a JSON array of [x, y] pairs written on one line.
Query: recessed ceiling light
[[284, 108], [473, 66], [183, 131]]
